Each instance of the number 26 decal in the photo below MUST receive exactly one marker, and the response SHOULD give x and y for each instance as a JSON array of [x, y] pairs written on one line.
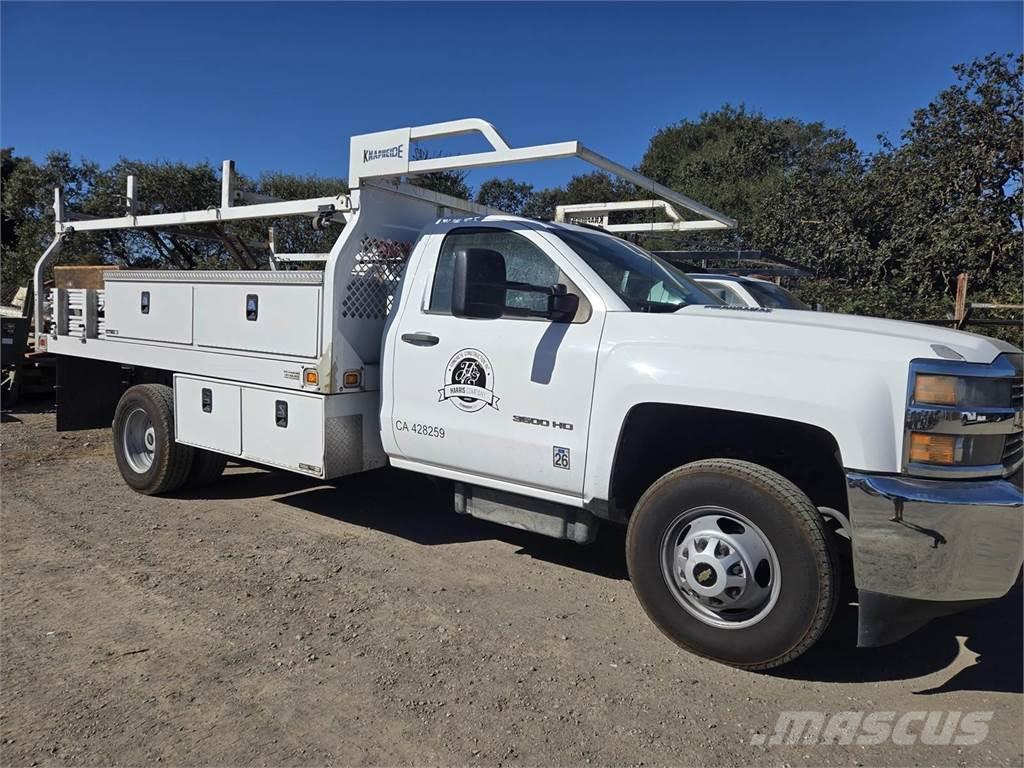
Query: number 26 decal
[[560, 457]]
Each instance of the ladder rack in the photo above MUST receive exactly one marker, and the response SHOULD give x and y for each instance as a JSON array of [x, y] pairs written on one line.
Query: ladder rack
[[386, 154], [376, 159], [598, 214]]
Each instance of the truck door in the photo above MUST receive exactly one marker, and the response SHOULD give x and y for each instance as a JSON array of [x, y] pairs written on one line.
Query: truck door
[[506, 398]]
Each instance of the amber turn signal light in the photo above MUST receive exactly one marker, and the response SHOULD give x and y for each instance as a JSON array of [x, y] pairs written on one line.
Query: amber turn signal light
[[351, 378], [927, 448], [936, 390], [311, 377]]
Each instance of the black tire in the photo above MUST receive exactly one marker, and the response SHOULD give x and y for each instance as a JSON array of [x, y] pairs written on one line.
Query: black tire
[[808, 563], [207, 467], [170, 462]]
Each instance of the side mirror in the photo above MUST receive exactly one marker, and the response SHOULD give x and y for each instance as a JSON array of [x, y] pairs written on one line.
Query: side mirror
[[478, 284], [562, 305]]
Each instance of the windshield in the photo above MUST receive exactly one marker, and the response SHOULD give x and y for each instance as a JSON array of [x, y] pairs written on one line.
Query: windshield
[[775, 296], [644, 282]]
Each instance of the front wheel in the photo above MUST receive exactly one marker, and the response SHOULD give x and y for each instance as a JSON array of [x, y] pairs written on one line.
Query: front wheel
[[150, 460], [733, 562]]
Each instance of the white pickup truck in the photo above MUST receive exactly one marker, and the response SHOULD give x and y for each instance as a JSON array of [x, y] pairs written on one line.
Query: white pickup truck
[[566, 379]]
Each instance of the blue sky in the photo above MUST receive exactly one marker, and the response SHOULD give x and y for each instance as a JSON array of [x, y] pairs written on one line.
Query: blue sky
[[282, 86]]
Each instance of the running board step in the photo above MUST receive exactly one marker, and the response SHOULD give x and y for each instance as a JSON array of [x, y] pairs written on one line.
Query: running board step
[[544, 517]]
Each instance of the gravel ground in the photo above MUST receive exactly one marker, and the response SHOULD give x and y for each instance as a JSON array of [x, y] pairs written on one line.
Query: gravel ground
[[274, 620]]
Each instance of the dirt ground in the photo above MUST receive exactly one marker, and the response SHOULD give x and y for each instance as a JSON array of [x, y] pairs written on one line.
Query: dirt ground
[[274, 620]]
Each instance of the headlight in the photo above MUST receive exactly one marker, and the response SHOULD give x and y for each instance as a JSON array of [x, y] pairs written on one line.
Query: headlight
[[963, 419]]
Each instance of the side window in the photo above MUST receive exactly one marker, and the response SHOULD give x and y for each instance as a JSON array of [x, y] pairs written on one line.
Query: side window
[[524, 263]]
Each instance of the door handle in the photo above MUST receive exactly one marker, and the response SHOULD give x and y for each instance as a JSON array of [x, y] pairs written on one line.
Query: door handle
[[420, 339]]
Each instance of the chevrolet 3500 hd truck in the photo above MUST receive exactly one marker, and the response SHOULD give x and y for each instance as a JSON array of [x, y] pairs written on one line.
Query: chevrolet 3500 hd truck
[[564, 378]]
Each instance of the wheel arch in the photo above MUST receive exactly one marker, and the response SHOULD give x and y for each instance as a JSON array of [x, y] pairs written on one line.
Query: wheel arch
[[658, 437]]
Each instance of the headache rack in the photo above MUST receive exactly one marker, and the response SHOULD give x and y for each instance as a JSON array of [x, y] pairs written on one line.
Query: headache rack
[[378, 159]]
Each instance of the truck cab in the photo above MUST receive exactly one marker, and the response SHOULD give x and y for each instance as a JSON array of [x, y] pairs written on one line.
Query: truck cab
[[764, 462]]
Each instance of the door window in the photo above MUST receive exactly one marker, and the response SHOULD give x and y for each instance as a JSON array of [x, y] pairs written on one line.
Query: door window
[[524, 263]]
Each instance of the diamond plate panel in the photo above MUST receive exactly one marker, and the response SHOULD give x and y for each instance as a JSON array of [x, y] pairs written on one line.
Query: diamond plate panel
[[343, 445]]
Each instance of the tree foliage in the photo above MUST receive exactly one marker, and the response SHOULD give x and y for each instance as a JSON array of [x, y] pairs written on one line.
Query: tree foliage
[[446, 182], [506, 195], [88, 189], [948, 198]]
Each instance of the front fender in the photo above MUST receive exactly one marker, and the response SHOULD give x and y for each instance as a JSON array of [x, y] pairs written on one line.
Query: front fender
[[853, 386]]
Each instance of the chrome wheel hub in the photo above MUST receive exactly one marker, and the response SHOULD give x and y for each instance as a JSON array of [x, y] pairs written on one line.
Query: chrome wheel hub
[[720, 567], [139, 441]]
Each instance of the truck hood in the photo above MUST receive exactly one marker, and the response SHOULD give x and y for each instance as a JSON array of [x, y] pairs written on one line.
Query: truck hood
[[972, 347], [844, 374]]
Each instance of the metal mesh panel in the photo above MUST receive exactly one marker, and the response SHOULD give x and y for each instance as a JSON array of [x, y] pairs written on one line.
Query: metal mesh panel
[[375, 275]]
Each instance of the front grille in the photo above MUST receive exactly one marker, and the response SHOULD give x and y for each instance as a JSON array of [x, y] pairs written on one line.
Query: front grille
[[1013, 450]]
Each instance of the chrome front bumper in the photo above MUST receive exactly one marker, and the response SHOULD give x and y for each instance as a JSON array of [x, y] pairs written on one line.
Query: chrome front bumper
[[924, 548], [944, 540]]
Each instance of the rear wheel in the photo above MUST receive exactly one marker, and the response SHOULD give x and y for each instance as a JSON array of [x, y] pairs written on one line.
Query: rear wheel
[[149, 459], [733, 562]]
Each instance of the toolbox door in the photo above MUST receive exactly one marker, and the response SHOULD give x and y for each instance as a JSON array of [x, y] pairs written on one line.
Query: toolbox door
[[275, 319], [208, 414], [283, 429], [148, 311]]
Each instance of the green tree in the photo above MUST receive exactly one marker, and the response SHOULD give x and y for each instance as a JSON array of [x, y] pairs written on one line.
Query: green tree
[[506, 195], [446, 182], [543, 203], [28, 216], [596, 187], [27, 202], [948, 198], [292, 235]]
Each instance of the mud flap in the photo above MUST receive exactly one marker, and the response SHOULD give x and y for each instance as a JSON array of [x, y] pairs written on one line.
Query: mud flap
[[884, 619]]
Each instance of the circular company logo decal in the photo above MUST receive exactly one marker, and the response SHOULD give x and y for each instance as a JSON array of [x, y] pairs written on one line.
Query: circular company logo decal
[[469, 381]]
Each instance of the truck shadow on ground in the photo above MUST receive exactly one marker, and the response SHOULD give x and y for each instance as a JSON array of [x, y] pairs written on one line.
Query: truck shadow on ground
[[26, 404], [412, 507], [992, 632], [419, 509]]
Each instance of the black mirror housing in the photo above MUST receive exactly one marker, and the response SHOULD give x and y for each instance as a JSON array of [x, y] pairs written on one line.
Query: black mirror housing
[[562, 305]]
